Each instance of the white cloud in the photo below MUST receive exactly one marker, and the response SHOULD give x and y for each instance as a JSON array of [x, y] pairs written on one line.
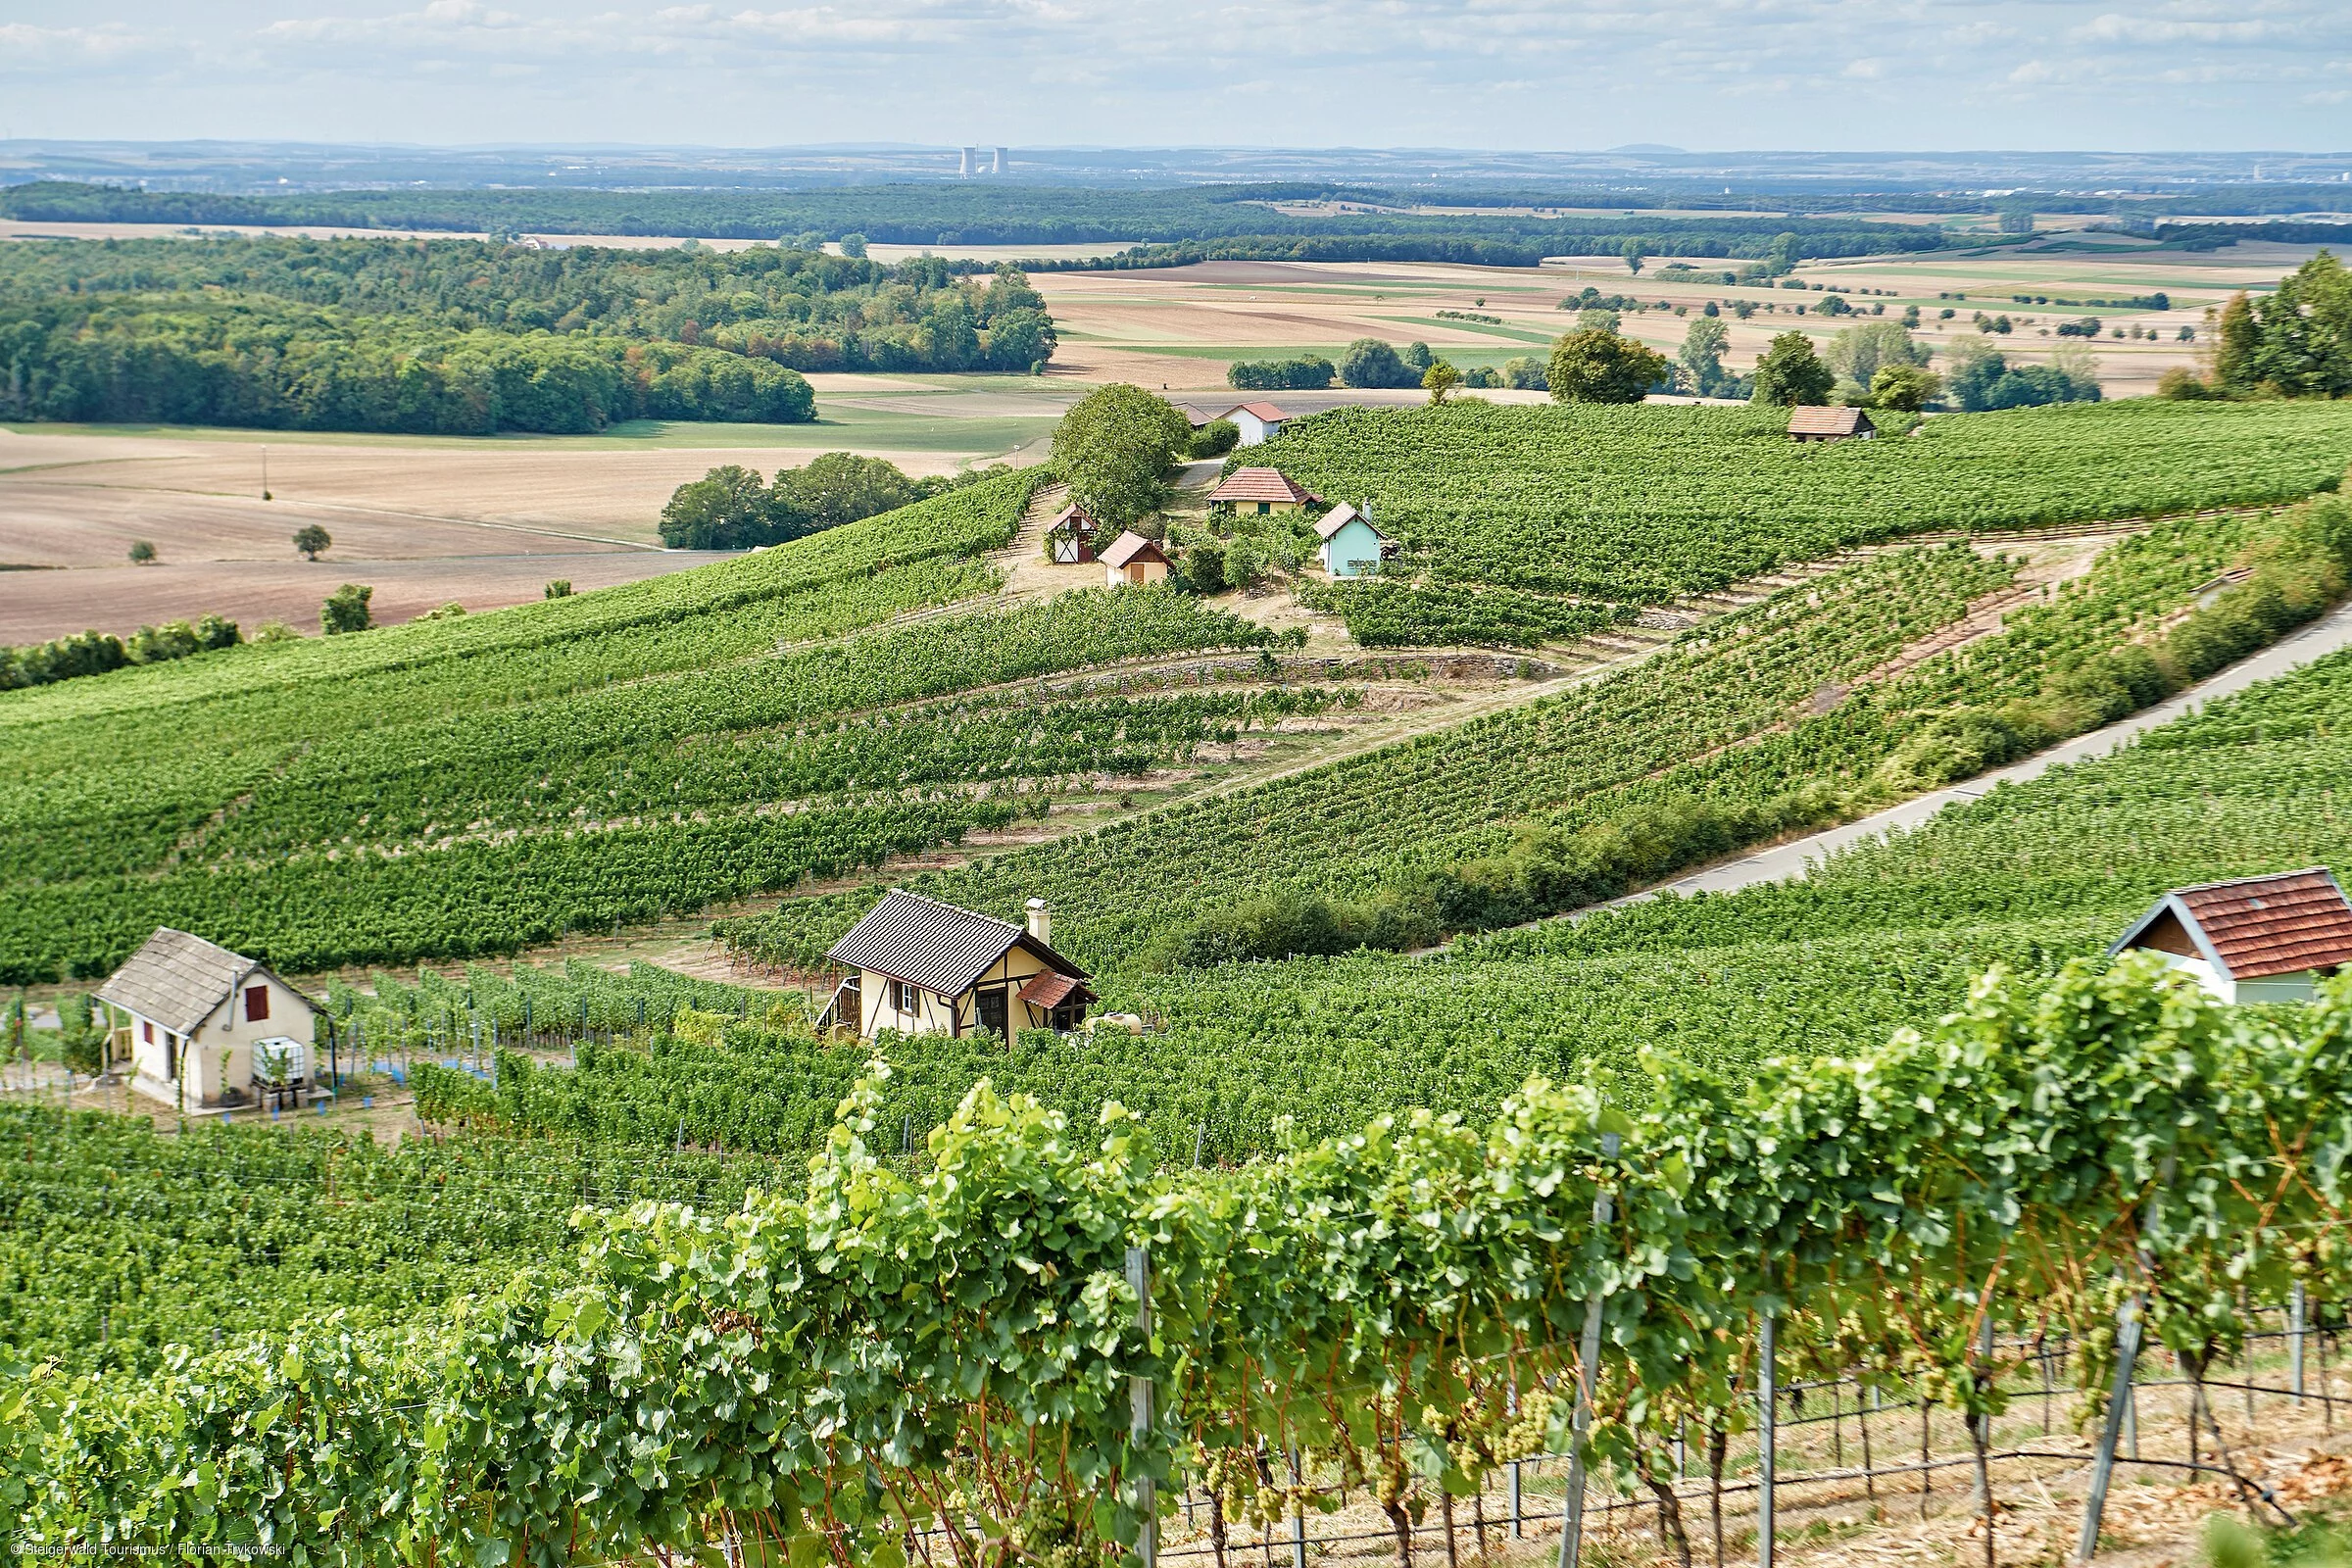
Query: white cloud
[[1575, 73]]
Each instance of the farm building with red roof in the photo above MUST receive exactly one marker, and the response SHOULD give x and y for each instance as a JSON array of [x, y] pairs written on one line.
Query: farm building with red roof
[[1261, 490], [2257, 939]]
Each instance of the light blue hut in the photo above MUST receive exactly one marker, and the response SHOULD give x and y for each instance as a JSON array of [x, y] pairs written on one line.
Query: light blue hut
[[1351, 546]]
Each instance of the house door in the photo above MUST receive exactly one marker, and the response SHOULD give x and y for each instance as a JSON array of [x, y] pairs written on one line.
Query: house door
[[989, 1006]]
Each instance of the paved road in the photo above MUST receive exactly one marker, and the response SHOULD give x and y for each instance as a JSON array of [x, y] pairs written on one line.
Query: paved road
[[1787, 863]]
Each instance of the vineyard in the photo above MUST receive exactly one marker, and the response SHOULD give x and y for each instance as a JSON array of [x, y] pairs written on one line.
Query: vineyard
[[1634, 506], [118, 1244], [471, 787], [655, 1273], [1825, 966], [1779, 711], [938, 1355]]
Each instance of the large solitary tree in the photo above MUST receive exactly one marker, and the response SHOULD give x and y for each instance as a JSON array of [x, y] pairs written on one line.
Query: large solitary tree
[[1591, 365], [1791, 375], [1116, 448], [310, 541], [1703, 345]]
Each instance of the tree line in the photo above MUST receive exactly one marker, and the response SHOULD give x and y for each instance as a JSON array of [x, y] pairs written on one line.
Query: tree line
[[731, 508], [469, 337], [1244, 220], [94, 653]]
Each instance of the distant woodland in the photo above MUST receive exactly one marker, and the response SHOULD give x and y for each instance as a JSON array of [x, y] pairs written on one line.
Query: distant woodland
[[472, 338], [1198, 222]]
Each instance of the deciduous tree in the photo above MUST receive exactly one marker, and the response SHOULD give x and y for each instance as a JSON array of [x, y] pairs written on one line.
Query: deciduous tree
[[312, 541], [1791, 375], [345, 609], [727, 509], [1704, 347], [1905, 388], [1116, 448], [1589, 366], [1370, 362]]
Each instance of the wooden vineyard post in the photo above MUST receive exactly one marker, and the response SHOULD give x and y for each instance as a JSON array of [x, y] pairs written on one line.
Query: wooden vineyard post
[[2294, 1339], [2119, 1400], [1767, 1399], [1518, 1519], [1572, 1500], [1138, 1397]]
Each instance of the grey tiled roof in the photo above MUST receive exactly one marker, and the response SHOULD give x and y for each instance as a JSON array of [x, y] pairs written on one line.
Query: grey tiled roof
[[175, 979], [935, 946]]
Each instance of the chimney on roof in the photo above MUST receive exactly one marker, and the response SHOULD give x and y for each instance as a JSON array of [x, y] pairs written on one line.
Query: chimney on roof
[[1041, 925]]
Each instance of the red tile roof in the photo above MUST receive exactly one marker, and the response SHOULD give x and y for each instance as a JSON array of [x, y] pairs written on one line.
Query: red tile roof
[[1827, 421], [1262, 484], [1072, 514], [1132, 546], [2279, 924], [1265, 410], [1047, 989]]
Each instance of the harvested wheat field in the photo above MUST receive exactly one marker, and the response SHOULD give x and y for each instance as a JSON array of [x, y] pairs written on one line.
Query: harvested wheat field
[[1182, 328], [483, 524]]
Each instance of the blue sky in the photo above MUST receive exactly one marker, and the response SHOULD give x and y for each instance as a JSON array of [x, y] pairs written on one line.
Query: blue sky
[[1501, 73]]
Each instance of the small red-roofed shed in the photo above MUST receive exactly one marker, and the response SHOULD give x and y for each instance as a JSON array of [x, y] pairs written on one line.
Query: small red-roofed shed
[[1133, 560], [1257, 422], [1830, 424], [2257, 939], [1263, 491]]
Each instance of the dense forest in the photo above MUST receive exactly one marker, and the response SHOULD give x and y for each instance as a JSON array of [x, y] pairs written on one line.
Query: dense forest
[[469, 337], [1229, 221]]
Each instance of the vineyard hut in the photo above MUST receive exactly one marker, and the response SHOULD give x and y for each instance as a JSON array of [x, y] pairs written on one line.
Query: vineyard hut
[[1070, 537], [204, 1027], [1262, 491], [1830, 424], [1351, 546], [2257, 939], [919, 966], [1259, 422], [1132, 560]]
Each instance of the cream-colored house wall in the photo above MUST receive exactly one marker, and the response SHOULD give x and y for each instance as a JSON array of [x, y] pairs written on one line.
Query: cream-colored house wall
[[1011, 971], [217, 1054], [878, 1010], [1135, 573]]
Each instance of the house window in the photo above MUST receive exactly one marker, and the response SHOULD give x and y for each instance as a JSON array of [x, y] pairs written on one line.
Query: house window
[[147, 1031], [1264, 508], [906, 997], [257, 1003]]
